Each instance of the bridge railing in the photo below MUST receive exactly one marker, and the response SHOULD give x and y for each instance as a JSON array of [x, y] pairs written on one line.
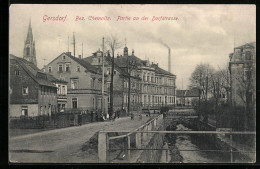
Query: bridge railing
[[104, 139], [141, 134]]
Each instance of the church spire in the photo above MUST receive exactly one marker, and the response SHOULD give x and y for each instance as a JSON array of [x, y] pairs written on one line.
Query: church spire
[[29, 46]]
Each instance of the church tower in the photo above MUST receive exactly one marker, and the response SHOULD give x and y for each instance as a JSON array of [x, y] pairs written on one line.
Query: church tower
[[29, 52]]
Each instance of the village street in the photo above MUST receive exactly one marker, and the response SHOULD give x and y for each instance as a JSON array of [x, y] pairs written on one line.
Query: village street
[[63, 145]]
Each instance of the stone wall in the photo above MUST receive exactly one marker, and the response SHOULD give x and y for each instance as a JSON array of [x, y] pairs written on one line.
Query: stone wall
[[153, 156]]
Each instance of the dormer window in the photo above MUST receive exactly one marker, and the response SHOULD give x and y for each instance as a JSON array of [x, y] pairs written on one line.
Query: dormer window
[[63, 57]]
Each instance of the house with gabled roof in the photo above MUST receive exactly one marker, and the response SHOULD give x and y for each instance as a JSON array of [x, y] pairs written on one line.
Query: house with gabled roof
[[84, 82], [187, 97], [31, 91]]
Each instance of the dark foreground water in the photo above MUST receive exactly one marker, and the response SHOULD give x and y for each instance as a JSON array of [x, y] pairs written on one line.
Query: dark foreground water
[[188, 148]]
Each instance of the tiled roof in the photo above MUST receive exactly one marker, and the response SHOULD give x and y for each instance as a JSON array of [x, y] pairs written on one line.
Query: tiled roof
[[53, 79], [122, 60], [194, 92], [161, 71], [32, 70], [109, 60], [84, 63], [237, 56], [252, 44], [180, 93]]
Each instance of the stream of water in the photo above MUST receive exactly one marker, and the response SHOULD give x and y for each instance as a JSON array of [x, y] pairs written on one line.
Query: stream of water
[[186, 148]]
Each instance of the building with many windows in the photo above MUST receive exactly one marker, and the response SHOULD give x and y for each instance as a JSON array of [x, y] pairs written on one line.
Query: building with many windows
[[150, 86], [84, 82], [157, 86], [242, 74], [121, 80], [32, 92]]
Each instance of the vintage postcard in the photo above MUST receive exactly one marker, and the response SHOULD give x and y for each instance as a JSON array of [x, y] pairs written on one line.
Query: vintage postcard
[[132, 83]]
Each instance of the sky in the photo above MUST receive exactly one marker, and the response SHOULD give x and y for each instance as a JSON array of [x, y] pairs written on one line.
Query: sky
[[201, 34]]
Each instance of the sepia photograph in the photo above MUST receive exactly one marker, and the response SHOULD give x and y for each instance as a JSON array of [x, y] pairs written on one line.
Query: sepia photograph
[[113, 83]]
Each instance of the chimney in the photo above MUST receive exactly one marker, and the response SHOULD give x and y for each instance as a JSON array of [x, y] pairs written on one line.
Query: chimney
[[80, 56], [169, 60], [68, 53]]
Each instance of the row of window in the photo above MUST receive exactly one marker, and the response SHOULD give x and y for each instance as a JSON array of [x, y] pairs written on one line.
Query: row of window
[[61, 68], [47, 110], [164, 80], [158, 99], [74, 102], [44, 110], [157, 90]]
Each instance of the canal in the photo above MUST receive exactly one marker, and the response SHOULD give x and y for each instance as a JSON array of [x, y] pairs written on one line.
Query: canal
[[198, 148]]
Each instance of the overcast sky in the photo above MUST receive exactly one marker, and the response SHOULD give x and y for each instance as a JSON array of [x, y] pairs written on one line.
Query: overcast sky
[[202, 33]]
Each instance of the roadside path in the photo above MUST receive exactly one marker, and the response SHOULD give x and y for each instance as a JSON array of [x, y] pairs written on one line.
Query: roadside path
[[63, 145]]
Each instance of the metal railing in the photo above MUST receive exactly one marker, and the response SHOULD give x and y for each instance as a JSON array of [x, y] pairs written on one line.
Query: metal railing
[[141, 133]]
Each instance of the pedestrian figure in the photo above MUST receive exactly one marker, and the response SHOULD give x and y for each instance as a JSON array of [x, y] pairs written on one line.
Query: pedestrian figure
[[96, 114], [91, 116], [164, 115], [140, 117], [132, 116], [118, 114]]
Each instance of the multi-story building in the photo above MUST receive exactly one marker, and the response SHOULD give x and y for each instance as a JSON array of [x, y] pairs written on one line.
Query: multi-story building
[[243, 75], [150, 86], [120, 87], [32, 93], [157, 86], [84, 82]]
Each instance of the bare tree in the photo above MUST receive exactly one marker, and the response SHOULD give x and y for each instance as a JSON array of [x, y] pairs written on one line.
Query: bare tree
[[131, 65], [226, 82], [113, 44], [219, 84], [200, 79]]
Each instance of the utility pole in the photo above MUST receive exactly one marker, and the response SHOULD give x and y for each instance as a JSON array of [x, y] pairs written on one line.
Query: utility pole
[[102, 99], [82, 50], [68, 43], [74, 44]]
